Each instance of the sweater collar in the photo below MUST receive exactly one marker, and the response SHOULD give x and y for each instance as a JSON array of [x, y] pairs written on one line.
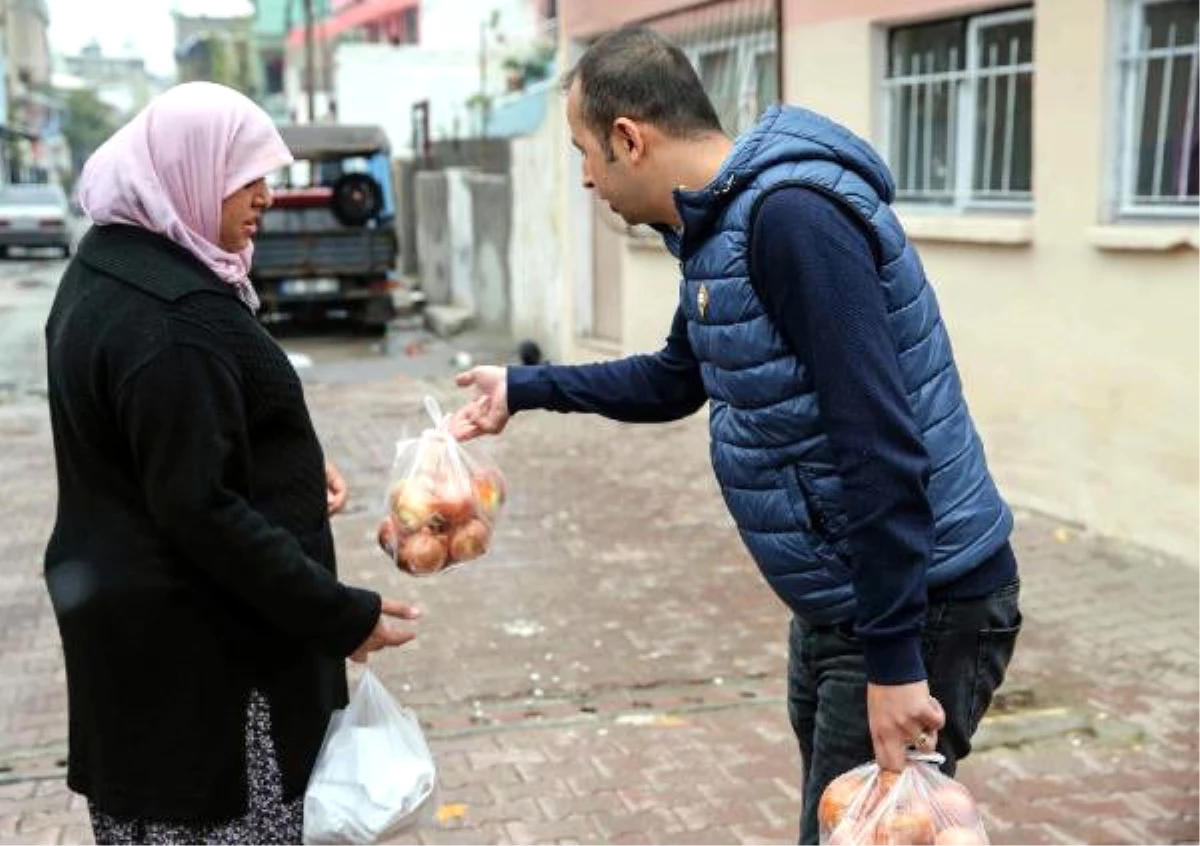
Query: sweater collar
[[149, 262]]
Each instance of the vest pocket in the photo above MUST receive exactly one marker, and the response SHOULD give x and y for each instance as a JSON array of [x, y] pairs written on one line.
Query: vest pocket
[[808, 507], [811, 520]]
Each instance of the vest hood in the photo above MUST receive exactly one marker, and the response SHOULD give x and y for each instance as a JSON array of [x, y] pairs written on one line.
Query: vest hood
[[784, 134]]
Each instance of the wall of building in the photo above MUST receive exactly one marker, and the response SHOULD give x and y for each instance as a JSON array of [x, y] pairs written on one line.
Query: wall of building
[[455, 24], [28, 46], [220, 49], [538, 245], [491, 230], [446, 79], [119, 81], [497, 245], [443, 236], [587, 19], [464, 238], [28, 70], [1080, 360]]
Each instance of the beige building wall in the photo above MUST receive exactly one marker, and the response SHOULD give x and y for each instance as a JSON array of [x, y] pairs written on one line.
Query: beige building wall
[[590, 18], [1076, 334], [27, 44], [536, 245]]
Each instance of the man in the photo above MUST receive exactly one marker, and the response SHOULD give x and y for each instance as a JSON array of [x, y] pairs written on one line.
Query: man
[[841, 440]]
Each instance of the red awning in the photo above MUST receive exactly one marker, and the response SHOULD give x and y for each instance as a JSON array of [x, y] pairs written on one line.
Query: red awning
[[352, 17]]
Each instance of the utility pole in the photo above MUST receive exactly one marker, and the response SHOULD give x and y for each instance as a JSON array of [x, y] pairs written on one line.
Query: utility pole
[[483, 101], [487, 27], [309, 69]]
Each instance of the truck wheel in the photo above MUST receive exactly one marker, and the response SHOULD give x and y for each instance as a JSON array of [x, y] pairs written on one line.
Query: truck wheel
[[357, 198]]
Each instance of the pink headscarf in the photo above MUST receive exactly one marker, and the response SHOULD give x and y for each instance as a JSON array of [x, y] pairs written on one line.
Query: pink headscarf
[[169, 169]]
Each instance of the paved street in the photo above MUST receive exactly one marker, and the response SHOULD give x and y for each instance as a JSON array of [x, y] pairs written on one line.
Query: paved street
[[613, 671], [26, 287]]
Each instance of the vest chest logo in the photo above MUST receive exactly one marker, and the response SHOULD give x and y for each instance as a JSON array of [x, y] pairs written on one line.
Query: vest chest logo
[[702, 300]]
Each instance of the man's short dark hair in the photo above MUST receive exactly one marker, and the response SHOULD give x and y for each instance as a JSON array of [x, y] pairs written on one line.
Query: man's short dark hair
[[636, 73]]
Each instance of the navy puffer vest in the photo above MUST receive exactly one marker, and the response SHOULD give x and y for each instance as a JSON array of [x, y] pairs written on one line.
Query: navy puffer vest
[[774, 463]]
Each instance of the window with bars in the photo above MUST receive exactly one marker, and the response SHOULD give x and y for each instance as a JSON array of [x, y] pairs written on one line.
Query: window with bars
[[1160, 136], [959, 111], [739, 75]]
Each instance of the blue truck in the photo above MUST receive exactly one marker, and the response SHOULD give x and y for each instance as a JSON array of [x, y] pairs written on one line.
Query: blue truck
[[328, 246]]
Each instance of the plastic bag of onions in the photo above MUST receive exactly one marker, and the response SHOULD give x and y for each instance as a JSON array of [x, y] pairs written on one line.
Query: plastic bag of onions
[[918, 805], [442, 502]]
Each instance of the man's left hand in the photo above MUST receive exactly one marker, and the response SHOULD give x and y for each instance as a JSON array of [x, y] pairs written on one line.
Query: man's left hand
[[335, 488], [902, 716]]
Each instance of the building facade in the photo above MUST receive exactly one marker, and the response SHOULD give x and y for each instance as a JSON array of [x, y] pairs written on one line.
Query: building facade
[[274, 20], [121, 82], [481, 39], [1045, 159], [33, 143], [217, 49], [393, 22]]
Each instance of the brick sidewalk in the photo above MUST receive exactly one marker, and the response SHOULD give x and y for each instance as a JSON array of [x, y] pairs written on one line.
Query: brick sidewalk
[[614, 671]]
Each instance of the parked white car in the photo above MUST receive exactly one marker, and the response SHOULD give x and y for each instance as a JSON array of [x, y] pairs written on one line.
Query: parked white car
[[34, 215]]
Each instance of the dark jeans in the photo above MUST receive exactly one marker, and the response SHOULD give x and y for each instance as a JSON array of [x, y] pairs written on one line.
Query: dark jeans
[[967, 647]]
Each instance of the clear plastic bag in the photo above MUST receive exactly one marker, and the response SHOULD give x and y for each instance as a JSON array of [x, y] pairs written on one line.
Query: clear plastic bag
[[919, 805], [374, 776], [442, 503]]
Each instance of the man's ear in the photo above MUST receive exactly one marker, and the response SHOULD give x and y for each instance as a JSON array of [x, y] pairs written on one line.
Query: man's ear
[[628, 137]]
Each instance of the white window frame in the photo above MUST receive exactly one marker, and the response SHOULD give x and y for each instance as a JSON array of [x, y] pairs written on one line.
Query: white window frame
[[750, 98], [746, 49], [1132, 52], [967, 82]]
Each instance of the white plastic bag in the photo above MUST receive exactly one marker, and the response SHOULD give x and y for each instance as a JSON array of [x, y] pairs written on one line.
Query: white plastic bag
[[374, 773]]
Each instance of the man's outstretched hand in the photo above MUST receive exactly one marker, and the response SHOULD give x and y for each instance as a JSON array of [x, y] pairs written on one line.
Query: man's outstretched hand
[[487, 413]]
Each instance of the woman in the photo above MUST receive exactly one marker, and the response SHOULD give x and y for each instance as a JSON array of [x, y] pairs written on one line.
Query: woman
[[191, 566]]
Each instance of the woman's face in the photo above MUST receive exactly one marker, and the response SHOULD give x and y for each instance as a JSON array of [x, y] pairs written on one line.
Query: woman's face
[[241, 214]]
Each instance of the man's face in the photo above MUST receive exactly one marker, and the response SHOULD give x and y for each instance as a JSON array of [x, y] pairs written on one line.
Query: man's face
[[610, 172]]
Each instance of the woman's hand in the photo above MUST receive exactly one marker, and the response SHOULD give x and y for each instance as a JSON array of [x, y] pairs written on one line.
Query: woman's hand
[[387, 631], [336, 491]]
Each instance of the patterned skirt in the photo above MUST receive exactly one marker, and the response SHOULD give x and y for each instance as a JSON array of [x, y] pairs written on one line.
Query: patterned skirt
[[268, 819]]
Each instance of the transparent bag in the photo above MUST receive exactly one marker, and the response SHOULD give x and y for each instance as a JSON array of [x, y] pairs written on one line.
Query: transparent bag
[[919, 805], [442, 502], [374, 776]]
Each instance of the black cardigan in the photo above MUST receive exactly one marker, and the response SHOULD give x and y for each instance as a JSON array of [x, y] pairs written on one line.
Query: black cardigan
[[191, 558]]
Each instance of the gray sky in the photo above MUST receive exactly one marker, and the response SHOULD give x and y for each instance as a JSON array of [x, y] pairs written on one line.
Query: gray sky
[[137, 27]]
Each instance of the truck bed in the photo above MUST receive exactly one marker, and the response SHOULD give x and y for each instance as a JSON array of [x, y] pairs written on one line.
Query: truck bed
[[344, 252]]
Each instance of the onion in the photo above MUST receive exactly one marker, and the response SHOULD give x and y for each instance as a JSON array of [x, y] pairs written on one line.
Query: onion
[[914, 826], [838, 796], [488, 486], [453, 504], [470, 540], [386, 534], [411, 505], [423, 553], [954, 802], [957, 835]]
